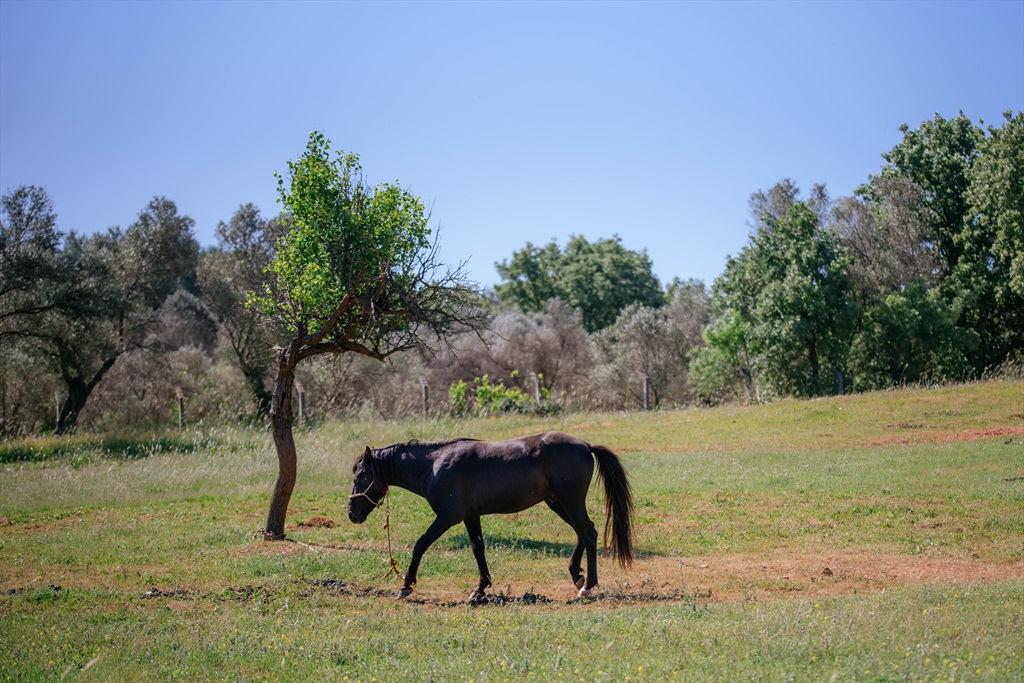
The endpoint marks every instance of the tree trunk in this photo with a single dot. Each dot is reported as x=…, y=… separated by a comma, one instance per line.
x=78, y=394
x=79, y=390
x=840, y=383
x=812, y=351
x=748, y=381
x=281, y=420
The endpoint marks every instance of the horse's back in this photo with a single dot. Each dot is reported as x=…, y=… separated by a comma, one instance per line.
x=522, y=448
x=544, y=450
x=508, y=476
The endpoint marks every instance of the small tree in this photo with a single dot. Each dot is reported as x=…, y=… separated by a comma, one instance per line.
x=653, y=342
x=720, y=370
x=356, y=273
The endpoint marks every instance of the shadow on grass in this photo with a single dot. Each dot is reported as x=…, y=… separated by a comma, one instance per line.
x=515, y=543
x=544, y=548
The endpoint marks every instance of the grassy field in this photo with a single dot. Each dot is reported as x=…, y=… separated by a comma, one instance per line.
x=874, y=537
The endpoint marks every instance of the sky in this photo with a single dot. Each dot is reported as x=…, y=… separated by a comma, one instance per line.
x=515, y=122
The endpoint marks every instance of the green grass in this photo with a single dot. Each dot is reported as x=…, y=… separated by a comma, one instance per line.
x=140, y=558
x=306, y=633
x=82, y=449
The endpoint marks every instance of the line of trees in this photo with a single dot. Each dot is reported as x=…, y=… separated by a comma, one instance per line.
x=918, y=277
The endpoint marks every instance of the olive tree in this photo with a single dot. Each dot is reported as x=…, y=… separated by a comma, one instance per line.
x=81, y=302
x=29, y=259
x=356, y=272
x=887, y=232
x=226, y=273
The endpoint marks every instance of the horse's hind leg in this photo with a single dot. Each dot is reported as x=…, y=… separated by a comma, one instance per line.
x=575, y=561
x=476, y=541
x=576, y=510
x=589, y=534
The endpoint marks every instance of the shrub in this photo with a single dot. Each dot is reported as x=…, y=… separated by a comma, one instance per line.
x=492, y=399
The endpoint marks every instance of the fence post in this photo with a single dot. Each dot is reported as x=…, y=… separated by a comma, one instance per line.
x=426, y=396
x=302, y=402
x=536, y=386
x=647, y=390
x=180, y=396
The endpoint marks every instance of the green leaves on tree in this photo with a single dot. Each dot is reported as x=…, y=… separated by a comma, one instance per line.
x=598, y=279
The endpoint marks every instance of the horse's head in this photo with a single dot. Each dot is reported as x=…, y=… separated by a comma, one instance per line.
x=368, y=488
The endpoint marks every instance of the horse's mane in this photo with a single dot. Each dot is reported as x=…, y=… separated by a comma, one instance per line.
x=381, y=459
x=388, y=451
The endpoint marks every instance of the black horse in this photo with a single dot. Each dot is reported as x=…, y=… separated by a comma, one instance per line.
x=465, y=479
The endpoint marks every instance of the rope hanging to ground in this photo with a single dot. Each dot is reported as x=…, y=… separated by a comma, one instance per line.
x=387, y=522
x=387, y=527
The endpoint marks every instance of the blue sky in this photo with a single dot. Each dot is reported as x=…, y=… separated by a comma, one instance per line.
x=514, y=121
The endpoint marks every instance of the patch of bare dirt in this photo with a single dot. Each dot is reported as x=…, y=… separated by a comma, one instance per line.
x=925, y=436
x=749, y=577
x=318, y=522
x=697, y=581
x=781, y=575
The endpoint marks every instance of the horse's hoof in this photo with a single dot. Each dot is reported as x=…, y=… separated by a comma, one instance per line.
x=404, y=593
x=586, y=593
x=578, y=582
x=477, y=596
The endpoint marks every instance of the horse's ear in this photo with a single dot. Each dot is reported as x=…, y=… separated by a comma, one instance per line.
x=367, y=453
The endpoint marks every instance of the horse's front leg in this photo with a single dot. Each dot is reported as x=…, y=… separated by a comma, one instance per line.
x=476, y=541
x=433, y=532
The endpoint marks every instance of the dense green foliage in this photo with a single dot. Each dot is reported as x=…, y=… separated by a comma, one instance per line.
x=791, y=289
x=995, y=235
x=351, y=252
x=598, y=279
x=910, y=335
x=914, y=280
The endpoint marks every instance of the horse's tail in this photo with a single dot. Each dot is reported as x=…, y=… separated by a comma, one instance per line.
x=618, y=504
